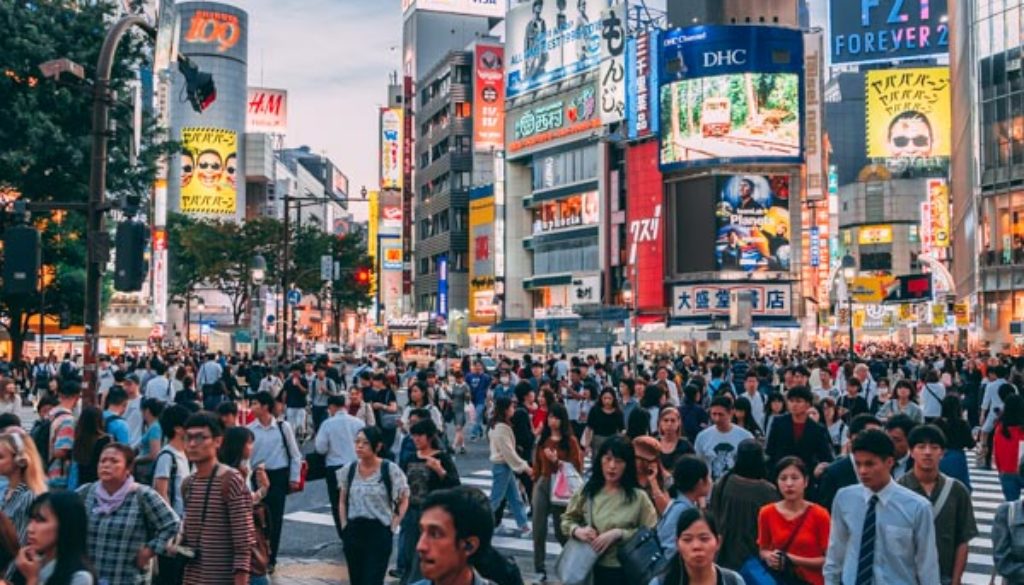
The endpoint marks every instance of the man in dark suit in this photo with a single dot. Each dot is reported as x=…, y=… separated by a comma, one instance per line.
x=841, y=472
x=795, y=434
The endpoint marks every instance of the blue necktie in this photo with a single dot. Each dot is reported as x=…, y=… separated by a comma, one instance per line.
x=866, y=562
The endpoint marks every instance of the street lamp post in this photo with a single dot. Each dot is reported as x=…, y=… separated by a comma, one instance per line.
x=258, y=273
x=200, y=307
x=850, y=273
x=633, y=347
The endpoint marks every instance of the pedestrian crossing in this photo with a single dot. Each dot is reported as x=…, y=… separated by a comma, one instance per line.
x=986, y=497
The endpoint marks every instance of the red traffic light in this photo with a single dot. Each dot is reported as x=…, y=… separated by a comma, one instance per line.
x=363, y=276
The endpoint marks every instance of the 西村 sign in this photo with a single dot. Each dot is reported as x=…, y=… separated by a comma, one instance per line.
x=560, y=117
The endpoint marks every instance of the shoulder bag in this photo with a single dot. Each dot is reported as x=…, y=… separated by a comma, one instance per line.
x=564, y=483
x=575, y=565
x=642, y=557
x=755, y=572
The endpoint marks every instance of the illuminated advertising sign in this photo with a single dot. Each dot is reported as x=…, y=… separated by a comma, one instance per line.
x=391, y=148
x=815, y=246
x=442, y=286
x=339, y=182
x=873, y=289
x=645, y=219
x=814, y=116
x=701, y=300
x=556, y=118
x=568, y=212
x=753, y=223
x=267, y=111
x=908, y=113
x=926, y=228
x=209, y=166
x=938, y=199
x=641, y=85
x=550, y=41
x=391, y=216
x=482, y=255
x=887, y=30
x=495, y=8
x=613, y=64
x=489, y=98
x=874, y=234
x=913, y=288
x=731, y=94
x=391, y=257
x=221, y=31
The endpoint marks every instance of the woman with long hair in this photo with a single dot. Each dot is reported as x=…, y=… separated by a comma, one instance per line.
x=743, y=417
x=609, y=509
x=775, y=407
x=793, y=532
x=834, y=424
x=697, y=544
x=1006, y=438
x=904, y=401
x=736, y=499
x=419, y=397
x=545, y=400
x=21, y=465
x=654, y=398
x=505, y=464
x=90, y=440
x=959, y=439
x=55, y=551
x=671, y=443
x=603, y=422
x=557, y=445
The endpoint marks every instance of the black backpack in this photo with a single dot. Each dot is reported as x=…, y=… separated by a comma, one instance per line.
x=385, y=478
x=41, y=437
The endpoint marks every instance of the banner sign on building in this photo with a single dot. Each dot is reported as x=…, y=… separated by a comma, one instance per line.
x=874, y=234
x=568, y=212
x=391, y=258
x=209, y=166
x=814, y=128
x=391, y=216
x=267, y=111
x=887, y=30
x=586, y=290
x=908, y=113
x=815, y=246
x=645, y=240
x=482, y=275
x=641, y=85
x=613, y=64
x=912, y=288
x=391, y=148
x=559, y=117
x=962, y=313
x=700, y=300
x=494, y=8
x=926, y=228
x=753, y=223
x=550, y=41
x=222, y=31
x=489, y=98
x=339, y=183
x=938, y=200
x=731, y=94
x=442, y=286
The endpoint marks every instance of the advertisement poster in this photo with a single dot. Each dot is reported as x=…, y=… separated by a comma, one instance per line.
x=753, y=223
x=267, y=111
x=557, y=118
x=572, y=211
x=548, y=41
x=221, y=31
x=613, y=64
x=938, y=198
x=391, y=148
x=887, y=30
x=908, y=113
x=392, y=256
x=731, y=94
x=209, y=163
x=391, y=216
x=482, y=309
x=489, y=105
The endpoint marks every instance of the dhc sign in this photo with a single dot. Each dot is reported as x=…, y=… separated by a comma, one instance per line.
x=725, y=58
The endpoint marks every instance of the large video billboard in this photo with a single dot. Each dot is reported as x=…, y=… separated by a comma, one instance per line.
x=908, y=113
x=887, y=30
x=753, y=223
x=551, y=40
x=731, y=94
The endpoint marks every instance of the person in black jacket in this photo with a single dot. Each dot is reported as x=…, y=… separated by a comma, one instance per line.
x=796, y=434
x=841, y=472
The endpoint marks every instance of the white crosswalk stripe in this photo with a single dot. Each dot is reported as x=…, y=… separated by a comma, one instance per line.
x=986, y=497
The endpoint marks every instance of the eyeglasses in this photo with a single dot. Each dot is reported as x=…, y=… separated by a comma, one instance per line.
x=197, y=437
x=186, y=168
x=214, y=166
x=903, y=141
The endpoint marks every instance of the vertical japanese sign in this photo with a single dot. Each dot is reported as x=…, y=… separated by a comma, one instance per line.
x=813, y=116
x=927, y=237
x=938, y=199
x=613, y=64
x=489, y=98
x=442, y=286
x=482, y=232
x=645, y=239
x=391, y=148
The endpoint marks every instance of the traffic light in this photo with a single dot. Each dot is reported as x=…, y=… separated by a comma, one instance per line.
x=199, y=87
x=129, y=260
x=22, y=257
x=363, y=276
x=64, y=317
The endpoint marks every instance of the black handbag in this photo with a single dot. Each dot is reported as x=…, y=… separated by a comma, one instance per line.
x=642, y=558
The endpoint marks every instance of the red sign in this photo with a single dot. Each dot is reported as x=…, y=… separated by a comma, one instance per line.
x=268, y=110
x=489, y=98
x=218, y=28
x=645, y=221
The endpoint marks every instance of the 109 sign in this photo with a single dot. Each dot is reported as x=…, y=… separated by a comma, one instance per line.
x=887, y=30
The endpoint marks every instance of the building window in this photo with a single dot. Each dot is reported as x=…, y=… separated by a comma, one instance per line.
x=462, y=144
x=461, y=219
x=875, y=260
x=424, y=266
x=463, y=110
x=458, y=262
x=874, y=202
x=915, y=234
x=424, y=160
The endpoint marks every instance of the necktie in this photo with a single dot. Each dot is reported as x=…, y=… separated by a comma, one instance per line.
x=866, y=562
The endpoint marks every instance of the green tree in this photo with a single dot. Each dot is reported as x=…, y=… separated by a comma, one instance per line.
x=46, y=133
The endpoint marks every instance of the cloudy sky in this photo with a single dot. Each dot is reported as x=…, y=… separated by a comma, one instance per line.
x=333, y=57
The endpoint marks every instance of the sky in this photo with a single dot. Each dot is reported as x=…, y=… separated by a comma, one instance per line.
x=334, y=58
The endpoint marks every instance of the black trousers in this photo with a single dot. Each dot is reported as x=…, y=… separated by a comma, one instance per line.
x=367, y=545
x=276, y=497
x=332, y=494
x=319, y=416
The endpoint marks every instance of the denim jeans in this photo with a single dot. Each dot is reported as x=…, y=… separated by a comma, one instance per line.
x=478, y=423
x=1011, y=484
x=506, y=487
x=260, y=580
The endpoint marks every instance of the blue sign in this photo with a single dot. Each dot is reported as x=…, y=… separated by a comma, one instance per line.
x=888, y=30
x=815, y=246
x=704, y=73
x=442, y=286
x=294, y=297
x=642, y=85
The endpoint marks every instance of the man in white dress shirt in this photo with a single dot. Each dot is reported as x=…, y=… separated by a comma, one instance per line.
x=336, y=439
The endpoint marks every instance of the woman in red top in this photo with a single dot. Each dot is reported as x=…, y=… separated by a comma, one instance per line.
x=540, y=415
x=793, y=533
x=1006, y=438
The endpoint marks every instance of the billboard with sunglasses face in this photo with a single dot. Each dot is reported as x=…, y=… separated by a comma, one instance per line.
x=908, y=113
x=209, y=165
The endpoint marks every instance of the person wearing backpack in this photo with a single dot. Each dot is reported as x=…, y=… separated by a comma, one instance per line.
x=41, y=374
x=171, y=467
x=374, y=496
x=55, y=436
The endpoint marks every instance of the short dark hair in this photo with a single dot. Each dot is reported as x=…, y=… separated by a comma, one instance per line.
x=425, y=427
x=929, y=434
x=902, y=422
x=70, y=388
x=205, y=420
x=154, y=405
x=9, y=419
x=522, y=389
x=127, y=452
x=800, y=393
x=688, y=472
x=467, y=511
x=791, y=461
x=227, y=408
x=723, y=402
x=861, y=422
x=263, y=398
x=420, y=413
x=173, y=416
x=874, y=442
x=337, y=400
x=803, y=371
x=116, y=396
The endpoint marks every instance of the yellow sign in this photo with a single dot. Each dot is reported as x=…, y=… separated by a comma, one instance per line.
x=962, y=312
x=887, y=320
x=875, y=234
x=938, y=197
x=858, y=319
x=908, y=113
x=906, y=313
x=482, y=248
x=872, y=290
x=371, y=244
x=938, y=315
x=209, y=165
